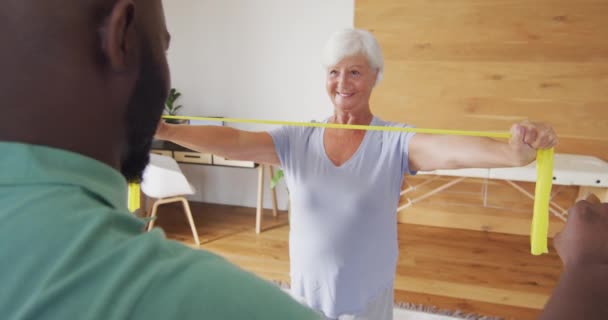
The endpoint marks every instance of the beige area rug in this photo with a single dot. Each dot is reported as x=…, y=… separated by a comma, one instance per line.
x=410, y=311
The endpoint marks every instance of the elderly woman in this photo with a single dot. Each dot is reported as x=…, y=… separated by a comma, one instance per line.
x=344, y=184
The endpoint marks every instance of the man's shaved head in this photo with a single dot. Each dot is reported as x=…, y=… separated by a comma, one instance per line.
x=89, y=76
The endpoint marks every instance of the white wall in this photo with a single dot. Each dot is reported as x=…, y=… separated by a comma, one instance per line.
x=257, y=59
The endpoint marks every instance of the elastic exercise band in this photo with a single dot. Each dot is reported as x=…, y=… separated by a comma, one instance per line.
x=544, y=168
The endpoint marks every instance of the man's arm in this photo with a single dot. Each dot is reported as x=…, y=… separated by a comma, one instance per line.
x=581, y=293
x=582, y=290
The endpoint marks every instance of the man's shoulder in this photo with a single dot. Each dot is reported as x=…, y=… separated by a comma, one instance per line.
x=207, y=285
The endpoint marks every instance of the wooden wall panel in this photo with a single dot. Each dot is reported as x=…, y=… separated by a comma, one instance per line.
x=485, y=64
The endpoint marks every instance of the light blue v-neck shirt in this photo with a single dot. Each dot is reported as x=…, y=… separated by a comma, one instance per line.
x=343, y=239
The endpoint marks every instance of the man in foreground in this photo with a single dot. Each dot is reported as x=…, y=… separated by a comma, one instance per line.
x=83, y=86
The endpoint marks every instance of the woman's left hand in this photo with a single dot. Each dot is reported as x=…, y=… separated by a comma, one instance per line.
x=527, y=137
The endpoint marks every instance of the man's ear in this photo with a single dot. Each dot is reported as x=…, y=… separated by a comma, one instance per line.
x=119, y=40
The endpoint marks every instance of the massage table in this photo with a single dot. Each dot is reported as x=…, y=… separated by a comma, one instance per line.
x=589, y=173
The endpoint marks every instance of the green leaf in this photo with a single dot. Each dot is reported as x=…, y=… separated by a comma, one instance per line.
x=171, y=98
x=277, y=176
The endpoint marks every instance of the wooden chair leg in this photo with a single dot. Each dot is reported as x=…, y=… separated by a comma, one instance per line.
x=273, y=193
x=148, y=202
x=260, y=208
x=187, y=211
x=191, y=221
x=153, y=214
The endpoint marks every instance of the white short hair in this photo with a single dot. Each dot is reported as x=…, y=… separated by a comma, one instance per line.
x=350, y=42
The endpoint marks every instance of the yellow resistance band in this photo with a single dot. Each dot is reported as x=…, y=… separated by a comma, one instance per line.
x=134, y=197
x=491, y=134
x=544, y=167
x=542, y=195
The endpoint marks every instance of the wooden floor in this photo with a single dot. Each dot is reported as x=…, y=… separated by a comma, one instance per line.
x=473, y=271
x=463, y=206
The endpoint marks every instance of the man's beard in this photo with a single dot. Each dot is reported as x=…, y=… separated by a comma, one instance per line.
x=143, y=114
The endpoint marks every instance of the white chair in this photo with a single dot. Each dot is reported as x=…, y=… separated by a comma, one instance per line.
x=164, y=180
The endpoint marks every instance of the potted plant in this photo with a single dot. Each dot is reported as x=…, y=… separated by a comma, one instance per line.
x=171, y=107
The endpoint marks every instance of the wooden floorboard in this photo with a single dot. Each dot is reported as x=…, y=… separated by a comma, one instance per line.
x=462, y=206
x=475, y=272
